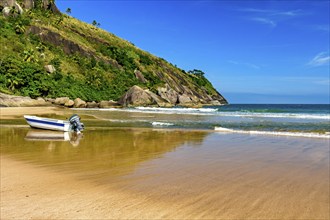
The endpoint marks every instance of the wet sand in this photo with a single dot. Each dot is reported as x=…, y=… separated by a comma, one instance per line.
x=164, y=174
x=14, y=112
x=132, y=173
x=30, y=192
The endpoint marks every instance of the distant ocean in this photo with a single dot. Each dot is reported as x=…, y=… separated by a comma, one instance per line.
x=304, y=120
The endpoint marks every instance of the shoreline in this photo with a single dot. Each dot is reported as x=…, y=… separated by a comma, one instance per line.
x=12, y=114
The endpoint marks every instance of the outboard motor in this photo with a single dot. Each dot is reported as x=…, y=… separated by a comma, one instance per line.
x=76, y=125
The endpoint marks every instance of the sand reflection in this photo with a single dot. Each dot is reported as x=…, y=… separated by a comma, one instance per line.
x=99, y=152
x=173, y=174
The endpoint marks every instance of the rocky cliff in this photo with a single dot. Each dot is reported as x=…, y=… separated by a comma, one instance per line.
x=50, y=54
x=30, y=4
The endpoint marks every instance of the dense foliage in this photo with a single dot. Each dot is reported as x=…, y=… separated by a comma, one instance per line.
x=24, y=56
x=107, y=74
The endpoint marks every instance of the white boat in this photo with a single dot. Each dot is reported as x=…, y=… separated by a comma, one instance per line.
x=48, y=123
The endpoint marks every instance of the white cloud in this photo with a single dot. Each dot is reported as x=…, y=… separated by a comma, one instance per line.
x=256, y=10
x=325, y=28
x=277, y=13
x=266, y=21
x=271, y=17
x=288, y=13
x=320, y=59
x=250, y=65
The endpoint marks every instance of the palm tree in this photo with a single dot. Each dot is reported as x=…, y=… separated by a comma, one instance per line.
x=29, y=56
x=13, y=10
x=68, y=11
x=96, y=24
x=12, y=83
x=19, y=28
x=41, y=48
x=30, y=13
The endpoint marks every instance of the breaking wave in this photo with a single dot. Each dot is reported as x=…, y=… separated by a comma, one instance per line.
x=156, y=110
x=161, y=124
x=275, y=133
x=276, y=115
x=177, y=110
x=213, y=112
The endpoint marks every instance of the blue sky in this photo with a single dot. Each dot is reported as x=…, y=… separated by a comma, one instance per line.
x=251, y=51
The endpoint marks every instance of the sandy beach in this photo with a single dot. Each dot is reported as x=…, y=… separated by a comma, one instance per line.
x=14, y=112
x=30, y=192
x=134, y=173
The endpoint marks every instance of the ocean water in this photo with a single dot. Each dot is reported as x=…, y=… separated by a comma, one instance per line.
x=274, y=119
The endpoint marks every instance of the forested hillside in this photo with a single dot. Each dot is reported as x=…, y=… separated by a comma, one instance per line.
x=45, y=53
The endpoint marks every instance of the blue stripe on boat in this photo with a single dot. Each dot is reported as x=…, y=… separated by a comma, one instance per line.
x=46, y=122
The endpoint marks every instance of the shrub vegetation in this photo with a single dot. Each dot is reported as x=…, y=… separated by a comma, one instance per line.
x=107, y=74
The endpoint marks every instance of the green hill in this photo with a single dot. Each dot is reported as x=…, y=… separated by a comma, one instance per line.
x=45, y=53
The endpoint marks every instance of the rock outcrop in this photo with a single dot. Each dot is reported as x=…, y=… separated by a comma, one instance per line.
x=140, y=76
x=184, y=99
x=49, y=68
x=169, y=94
x=167, y=97
x=30, y=4
x=92, y=104
x=136, y=96
x=159, y=100
x=108, y=104
x=69, y=103
x=9, y=4
x=69, y=47
x=61, y=100
x=21, y=101
x=78, y=103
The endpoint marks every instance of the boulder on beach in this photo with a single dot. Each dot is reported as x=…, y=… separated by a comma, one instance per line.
x=92, y=104
x=136, y=96
x=108, y=104
x=21, y=101
x=61, y=100
x=78, y=103
x=69, y=103
x=169, y=94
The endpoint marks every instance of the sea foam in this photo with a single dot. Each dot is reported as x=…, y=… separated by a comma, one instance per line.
x=213, y=112
x=176, y=110
x=275, y=115
x=156, y=123
x=275, y=133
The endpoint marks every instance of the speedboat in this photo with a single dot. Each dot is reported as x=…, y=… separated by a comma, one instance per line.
x=73, y=124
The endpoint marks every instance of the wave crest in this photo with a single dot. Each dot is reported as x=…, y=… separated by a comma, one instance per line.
x=156, y=123
x=275, y=133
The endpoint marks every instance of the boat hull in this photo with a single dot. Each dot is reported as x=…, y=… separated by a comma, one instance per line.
x=47, y=123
